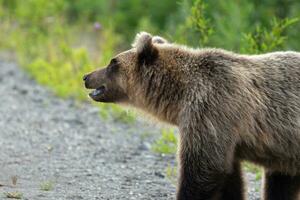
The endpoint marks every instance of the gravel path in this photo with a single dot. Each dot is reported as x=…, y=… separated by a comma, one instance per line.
x=44, y=139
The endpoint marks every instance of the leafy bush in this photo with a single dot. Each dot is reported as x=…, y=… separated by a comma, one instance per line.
x=47, y=51
x=264, y=40
x=196, y=28
x=198, y=21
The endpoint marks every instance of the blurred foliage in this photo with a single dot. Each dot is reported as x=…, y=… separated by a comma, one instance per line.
x=171, y=174
x=47, y=186
x=167, y=143
x=198, y=21
x=58, y=41
x=196, y=28
x=263, y=40
x=257, y=170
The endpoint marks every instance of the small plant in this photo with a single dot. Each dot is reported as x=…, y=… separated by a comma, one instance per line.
x=263, y=40
x=145, y=135
x=13, y=195
x=167, y=143
x=196, y=28
x=116, y=112
x=199, y=22
x=46, y=186
x=253, y=169
x=171, y=174
x=122, y=115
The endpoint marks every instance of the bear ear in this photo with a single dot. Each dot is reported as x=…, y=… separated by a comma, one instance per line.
x=159, y=40
x=147, y=53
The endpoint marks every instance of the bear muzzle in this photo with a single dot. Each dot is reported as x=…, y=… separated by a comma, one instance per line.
x=97, y=92
x=91, y=81
x=105, y=88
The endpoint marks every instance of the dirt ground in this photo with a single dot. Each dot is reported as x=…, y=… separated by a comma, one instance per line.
x=50, y=143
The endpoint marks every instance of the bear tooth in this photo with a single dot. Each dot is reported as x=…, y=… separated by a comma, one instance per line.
x=96, y=92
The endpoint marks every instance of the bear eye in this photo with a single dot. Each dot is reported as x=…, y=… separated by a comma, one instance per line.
x=113, y=61
x=112, y=67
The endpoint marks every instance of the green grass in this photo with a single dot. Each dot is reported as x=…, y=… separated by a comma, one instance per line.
x=47, y=186
x=56, y=55
x=266, y=40
x=167, y=143
x=13, y=195
x=171, y=174
x=258, y=171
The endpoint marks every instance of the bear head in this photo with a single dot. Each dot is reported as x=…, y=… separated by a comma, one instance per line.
x=141, y=76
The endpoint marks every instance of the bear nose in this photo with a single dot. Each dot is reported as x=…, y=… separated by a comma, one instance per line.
x=85, y=77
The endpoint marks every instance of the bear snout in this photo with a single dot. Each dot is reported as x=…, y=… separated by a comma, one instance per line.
x=94, y=79
x=85, y=77
x=87, y=81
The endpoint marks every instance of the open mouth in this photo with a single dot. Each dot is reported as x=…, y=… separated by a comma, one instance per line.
x=97, y=92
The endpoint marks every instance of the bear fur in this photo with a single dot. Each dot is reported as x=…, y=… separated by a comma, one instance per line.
x=228, y=108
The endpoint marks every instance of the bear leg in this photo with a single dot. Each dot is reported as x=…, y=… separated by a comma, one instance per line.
x=202, y=176
x=279, y=186
x=234, y=184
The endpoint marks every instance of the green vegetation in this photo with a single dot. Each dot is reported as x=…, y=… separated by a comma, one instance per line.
x=263, y=40
x=56, y=52
x=196, y=25
x=258, y=171
x=13, y=195
x=171, y=174
x=167, y=143
x=46, y=186
x=115, y=112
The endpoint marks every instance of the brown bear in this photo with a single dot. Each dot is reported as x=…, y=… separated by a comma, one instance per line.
x=228, y=108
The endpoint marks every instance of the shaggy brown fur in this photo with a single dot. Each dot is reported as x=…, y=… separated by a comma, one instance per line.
x=228, y=108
